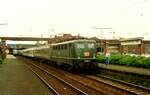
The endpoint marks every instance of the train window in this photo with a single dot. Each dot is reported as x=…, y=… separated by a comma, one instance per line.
x=70, y=45
x=53, y=47
x=57, y=47
x=90, y=45
x=65, y=46
x=80, y=45
x=61, y=46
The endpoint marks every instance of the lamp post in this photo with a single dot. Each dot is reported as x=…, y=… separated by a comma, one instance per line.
x=101, y=33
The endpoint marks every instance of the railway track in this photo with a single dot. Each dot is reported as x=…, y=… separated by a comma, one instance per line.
x=141, y=80
x=115, y=87
x=96, y=84
x=137, y=89
x=65, y=76
x=123, y=87
x=57, y=85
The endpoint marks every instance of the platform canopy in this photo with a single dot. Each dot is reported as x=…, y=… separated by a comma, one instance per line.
x=131, y=39
x=25, y=38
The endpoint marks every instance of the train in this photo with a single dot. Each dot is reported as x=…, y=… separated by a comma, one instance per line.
x=73, y=55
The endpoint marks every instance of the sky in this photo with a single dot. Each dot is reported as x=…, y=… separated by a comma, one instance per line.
x=42, y=18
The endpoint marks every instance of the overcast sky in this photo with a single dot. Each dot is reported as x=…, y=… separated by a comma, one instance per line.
x=38, y=18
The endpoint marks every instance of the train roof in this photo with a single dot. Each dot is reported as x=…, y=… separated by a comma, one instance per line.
x=42, y=47
x=74, y=41
x=66, y=42
x=28, y=49
x=37, y=47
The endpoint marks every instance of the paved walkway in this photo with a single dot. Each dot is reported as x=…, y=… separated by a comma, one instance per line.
x=17, y=79
x=135, y=70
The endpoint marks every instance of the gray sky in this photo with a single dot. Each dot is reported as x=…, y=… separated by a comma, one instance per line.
x=127, y=18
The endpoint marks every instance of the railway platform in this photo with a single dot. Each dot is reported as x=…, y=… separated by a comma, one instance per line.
x=134, y=70
x=17, y=79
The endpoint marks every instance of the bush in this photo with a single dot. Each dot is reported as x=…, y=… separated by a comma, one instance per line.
x=127, y=60
x=100, y=58
x=114, y=59
x=118, y=59
x=146, y=62
x=138, y=61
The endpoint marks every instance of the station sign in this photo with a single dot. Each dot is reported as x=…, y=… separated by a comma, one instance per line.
x=131, y=42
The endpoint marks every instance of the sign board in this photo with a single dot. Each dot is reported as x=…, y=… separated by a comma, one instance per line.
x=131, y=42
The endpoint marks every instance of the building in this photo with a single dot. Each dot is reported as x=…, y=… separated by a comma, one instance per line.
x=124, y=46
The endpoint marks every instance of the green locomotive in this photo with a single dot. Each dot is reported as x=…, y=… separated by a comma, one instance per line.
x=73, y=54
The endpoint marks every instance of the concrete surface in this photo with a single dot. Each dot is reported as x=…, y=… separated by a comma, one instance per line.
x=17, y=79
x=135, y=70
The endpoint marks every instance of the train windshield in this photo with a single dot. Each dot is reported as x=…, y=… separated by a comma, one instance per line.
x=80, y=45
x=85, y=49
x=90, y=45
x=85, y=45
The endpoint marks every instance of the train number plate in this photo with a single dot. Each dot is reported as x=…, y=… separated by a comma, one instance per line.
x=86, y=54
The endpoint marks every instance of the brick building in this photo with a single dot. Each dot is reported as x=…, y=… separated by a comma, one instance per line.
x=127, y=45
